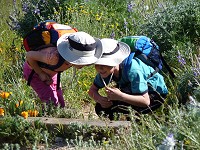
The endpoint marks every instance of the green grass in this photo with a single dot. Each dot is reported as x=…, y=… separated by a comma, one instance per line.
x=160, y=19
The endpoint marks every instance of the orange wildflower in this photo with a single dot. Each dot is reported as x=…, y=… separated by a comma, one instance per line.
x=29, y=112
x=1, y=112
x=25, y=114
x=17, y=105
x=5, y=95
x=33, y=113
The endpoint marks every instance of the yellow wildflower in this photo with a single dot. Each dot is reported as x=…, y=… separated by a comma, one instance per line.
x=25, y=114
x=20, y=102
x=70, y=10
x=117, y=24
x=98, y=18
x=105, y=142
x=55, y=12
x=112, y=26
x=187, y=142
x=1, y=112
x=85, y=84
x=5, y=95
x=84, y=12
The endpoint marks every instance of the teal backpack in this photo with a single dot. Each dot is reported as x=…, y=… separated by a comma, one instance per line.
x=146, y=50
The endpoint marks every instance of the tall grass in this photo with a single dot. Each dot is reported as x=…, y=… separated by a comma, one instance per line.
x=174, y=25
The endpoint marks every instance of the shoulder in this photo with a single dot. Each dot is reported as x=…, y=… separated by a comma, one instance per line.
x=49, y=49
x=135, y=65
x=44, y=47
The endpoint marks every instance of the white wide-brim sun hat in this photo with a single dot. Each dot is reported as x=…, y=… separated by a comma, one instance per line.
x=114, y=52
x=79, y=48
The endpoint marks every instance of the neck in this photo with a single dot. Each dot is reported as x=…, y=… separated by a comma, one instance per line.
x=116, y=71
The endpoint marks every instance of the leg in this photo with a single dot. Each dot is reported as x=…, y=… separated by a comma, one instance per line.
x=156, y=101
x=105, y=112
x=45, y=92
x=58, y=92
x=61, y=98
x=114, y=111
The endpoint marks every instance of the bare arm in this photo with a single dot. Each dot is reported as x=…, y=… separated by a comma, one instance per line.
x=37, y=55
x=136, y=100
x=32, y=58
x=93, y=93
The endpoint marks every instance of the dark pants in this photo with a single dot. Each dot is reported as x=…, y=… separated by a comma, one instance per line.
x=118, y=107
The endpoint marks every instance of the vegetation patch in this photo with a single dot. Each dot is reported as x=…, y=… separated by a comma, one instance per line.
x=173, y=24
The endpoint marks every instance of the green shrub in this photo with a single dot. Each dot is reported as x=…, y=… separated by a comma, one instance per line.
x=18, y=130
x=174, y=23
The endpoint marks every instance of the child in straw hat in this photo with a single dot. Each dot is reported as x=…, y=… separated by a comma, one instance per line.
x=77, y=49
x=136, y=92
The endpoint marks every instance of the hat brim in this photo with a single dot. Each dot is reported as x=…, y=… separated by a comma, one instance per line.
x=65, y=51
x=116, y=58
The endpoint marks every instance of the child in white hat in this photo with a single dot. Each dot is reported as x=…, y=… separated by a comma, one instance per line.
x=43, y=66
x=136, y=91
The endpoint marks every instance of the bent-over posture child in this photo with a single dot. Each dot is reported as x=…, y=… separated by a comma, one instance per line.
x=136, y=90
x=77, y=49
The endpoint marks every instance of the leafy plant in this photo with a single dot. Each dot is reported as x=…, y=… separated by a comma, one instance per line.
x=174, y=25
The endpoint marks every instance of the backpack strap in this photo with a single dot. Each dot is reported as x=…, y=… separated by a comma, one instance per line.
x=163, y=61
x=154, y=72
x=127, y=63
x=143, y=58
x=30, y=77
x=61, y=60
x=167, y=66
x=58, y=80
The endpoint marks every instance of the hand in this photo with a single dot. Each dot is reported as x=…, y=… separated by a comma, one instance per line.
x=45, y=78
x=113, y=93
x=105, y=103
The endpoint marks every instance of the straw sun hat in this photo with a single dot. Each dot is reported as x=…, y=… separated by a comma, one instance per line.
x=114, y=52
x=79, y=48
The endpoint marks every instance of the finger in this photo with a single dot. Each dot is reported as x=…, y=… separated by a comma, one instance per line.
x=107, y=88
x=108, y=92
